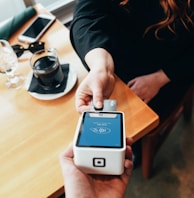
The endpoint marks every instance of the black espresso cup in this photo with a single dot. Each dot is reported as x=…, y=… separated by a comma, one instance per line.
x=47, y=69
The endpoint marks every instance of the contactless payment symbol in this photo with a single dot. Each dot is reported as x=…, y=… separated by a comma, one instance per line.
x=101, y=130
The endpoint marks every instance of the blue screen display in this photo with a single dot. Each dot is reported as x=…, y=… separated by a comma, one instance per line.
x=101, y=130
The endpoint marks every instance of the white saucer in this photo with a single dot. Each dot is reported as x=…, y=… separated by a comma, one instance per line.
x=71, y=80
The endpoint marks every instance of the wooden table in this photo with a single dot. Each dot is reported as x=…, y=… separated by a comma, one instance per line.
x=33, y=132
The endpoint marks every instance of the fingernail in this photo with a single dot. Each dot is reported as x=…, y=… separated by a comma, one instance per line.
x=98, y=106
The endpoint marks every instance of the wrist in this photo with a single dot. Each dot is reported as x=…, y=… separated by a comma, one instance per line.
x=162, y=77
x=99, y=60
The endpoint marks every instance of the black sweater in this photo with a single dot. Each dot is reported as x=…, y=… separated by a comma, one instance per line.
x=119, y=30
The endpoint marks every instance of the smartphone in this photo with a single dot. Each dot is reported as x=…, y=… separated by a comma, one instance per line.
x=99, y=145
x=37, y=28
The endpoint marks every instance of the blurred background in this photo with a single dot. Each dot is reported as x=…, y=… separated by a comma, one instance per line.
x=62, y=9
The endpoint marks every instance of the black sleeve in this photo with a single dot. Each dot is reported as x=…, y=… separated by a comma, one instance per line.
x=89, y=26
x=182, y=66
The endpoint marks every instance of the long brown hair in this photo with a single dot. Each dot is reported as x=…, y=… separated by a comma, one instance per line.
x=172, y=10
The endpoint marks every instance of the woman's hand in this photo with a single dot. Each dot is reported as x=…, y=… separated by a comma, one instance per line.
x=147, y=86
x=99, y=83
x=80, y=184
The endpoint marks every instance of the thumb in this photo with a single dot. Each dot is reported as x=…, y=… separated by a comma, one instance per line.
x=130, y=83
x=98, y=100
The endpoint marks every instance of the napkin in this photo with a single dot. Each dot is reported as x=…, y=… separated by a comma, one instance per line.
x=36, y=87
x=14, y=23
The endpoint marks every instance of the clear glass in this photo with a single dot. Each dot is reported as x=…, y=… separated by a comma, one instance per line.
x=8, y=65
x=47, y=69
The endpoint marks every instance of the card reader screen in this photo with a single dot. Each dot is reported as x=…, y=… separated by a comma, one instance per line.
x=101, y=129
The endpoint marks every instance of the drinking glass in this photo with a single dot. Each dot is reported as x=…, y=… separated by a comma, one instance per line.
x=8, y=64
x=47, y=68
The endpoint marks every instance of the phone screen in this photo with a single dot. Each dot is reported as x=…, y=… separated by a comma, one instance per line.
x=37, y=26
x=101, y=129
